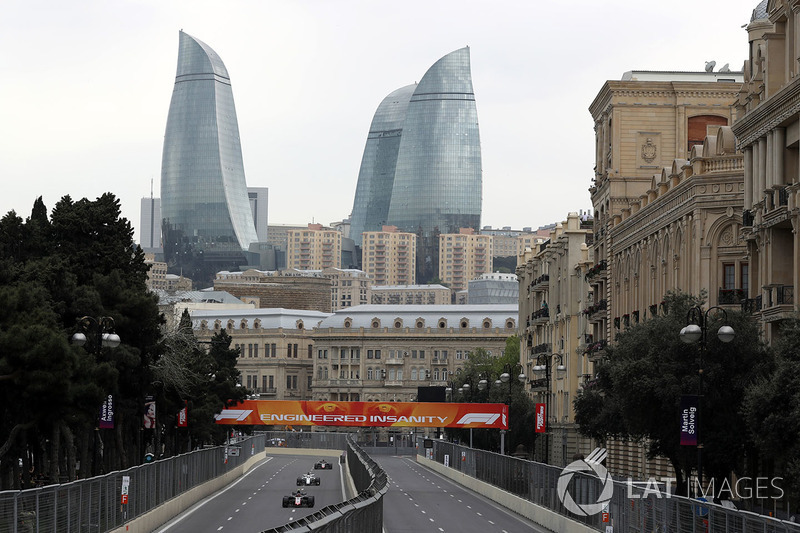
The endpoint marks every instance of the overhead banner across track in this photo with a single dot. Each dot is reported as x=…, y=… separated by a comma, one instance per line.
x=366, y=414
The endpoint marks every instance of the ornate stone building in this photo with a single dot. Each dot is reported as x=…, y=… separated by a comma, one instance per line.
x=385, y=352
x=276, y=360
x=768, y=133
x=554, y=330
x=667, y=189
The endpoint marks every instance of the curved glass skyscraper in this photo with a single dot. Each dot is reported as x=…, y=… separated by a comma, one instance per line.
x=437, y=177
x=204, y=201
x=376, y=177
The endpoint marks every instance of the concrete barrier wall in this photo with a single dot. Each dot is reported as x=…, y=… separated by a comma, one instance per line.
x=153, y=519
x=536, y=513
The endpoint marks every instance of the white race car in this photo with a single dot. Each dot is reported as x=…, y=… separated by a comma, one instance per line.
x=309, y=478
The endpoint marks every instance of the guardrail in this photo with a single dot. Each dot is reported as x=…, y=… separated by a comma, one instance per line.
x=95, y=504
x=363, y=513
x=631, y=507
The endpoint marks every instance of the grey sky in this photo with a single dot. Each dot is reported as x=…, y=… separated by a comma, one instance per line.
x=86, y=87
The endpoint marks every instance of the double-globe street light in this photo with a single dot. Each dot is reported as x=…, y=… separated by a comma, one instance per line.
x=696, y=329
x=95, y=334
x=505, y=377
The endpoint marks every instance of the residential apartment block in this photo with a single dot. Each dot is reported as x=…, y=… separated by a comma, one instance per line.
x=313, y=248
x=554, y=331
x=389, y=256
x=349, y=287
x=464, y=256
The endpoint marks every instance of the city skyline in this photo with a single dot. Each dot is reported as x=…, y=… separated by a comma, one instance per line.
x=308, y=77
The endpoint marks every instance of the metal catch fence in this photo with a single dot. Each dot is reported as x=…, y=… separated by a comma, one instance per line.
x=583, y=496
x=95, y=505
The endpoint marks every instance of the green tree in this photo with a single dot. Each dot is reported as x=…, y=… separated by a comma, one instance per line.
x=772, y=411
x=80, y=262
x=637, y=394
x=489, y=367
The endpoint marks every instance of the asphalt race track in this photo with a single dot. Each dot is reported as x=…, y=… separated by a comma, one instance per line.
x=253, y=503
x=420, y=500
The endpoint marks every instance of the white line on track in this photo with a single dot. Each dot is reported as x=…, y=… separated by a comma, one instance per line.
x=199, y=505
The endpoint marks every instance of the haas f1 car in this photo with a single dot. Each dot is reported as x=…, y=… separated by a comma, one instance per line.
x=322, y=464
x=308, y=479
x=298, y=499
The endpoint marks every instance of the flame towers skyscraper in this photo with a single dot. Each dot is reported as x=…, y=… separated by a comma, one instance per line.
x=421, y=169
x=207, y=221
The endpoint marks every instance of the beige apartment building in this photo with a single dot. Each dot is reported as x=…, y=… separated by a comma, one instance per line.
x=554, y=331
x=411, y=295
x=276, y=347
x=385, y=352
x=389, y=256
x=313, y=248
x=666, y=194
x=768, y=133
x=349, y=287
x=464, y=256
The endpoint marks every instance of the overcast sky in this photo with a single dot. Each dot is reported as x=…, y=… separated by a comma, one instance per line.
x=85, y=87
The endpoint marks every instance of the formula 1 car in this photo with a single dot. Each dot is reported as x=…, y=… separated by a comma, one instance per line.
x=309, y=478
x=322, y=464
x=298, y=498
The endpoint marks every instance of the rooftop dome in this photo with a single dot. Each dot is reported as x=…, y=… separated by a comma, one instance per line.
x=760, y=12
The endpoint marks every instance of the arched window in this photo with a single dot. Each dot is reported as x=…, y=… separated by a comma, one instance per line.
x=399, y=374
x=413, y=374
x=436, y=374
x=391, y=374
x=369, y=372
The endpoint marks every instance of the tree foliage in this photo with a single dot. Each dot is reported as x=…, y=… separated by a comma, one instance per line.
x=82, y=261
x=482, y=365
x=772, y=409
x=638, y=390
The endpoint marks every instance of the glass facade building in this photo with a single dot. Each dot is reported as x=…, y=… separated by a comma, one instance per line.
x=204, y=201
x=435, y=175
x=376, y=177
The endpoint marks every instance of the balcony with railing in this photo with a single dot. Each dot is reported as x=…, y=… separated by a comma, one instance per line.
x=541, y=283
x=540, y=316
x=778, y=302
x=596, y=271
x=779, y=213
x=596, y=310
x=596, y=350
x=545, y=347
x=731, y=296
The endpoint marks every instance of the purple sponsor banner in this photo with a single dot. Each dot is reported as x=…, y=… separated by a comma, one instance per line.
x=689, y=425
x=107, y=413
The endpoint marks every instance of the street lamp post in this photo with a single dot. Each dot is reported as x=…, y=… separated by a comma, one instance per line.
x=697, y=330
x=465, y=390
x=93, y=335
x=505, y=377
x=544, y=363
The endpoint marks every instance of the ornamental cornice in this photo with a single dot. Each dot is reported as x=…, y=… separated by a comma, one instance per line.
x=767, y=116
x=728, y=96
